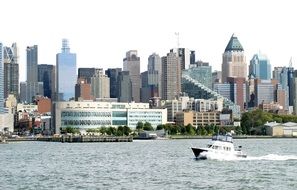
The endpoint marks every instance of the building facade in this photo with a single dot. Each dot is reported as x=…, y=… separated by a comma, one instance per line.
x=131, y=63
x=125, y=87
x=171, y=76
x=154, y=69
x=201, y=71
x=1, y=80
x=100, y=85
x=46, y=74
x=86, y=115
x=260, y=67
x=234, y=61
x=66, y=72
x=11, y=71
x=113, y=74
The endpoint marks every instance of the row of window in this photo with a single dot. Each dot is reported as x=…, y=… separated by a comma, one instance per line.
x=86, y=122
x=85, y=114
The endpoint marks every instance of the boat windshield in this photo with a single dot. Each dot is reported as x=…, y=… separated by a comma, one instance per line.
x=225, y=138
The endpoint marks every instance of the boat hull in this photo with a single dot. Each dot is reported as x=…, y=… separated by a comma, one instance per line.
x=197, y=151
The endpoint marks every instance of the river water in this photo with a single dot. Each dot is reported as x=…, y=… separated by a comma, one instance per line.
x=156, y=164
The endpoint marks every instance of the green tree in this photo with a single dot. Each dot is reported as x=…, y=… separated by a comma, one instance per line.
x=190, y=129
x=139, y=126
x=126, y=130
x=160, y=127
x=147, y=126
x=103, y=130
x=238, y=130
x=71, y=130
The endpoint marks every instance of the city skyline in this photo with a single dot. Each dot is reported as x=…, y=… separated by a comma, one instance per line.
x=105, y=30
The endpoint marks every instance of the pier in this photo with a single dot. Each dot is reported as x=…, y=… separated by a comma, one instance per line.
x=76, y=139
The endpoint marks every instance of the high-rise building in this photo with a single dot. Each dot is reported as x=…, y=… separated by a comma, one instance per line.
x=285, y=77
x=113, y=74
x=1, y=80
x=131, y=63
x=32, y=62
x=11, y=71
x=86, y=73
x=154, y=69
x=192, y=57
x=125, y=87
x=149, y=88
x=31, y=87
x=238, y=91
x=234, y=63
x=46, y=74
x=100, y=85
x=83, y=90
x=184, y=55
x=201, y=71
x=171, y=80
x=260, y=67
x=66, y=72
x=264, y=91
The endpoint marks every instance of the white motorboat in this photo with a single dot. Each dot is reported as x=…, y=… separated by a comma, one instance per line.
x=221, y=145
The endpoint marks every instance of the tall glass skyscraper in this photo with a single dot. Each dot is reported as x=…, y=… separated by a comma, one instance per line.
x=32, y=62
x=260, y=67
x=66, y=72
x=11, y=71
x=46, y=74
x=1, y=80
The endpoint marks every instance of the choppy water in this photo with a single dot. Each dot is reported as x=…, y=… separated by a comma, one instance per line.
x=164, y=164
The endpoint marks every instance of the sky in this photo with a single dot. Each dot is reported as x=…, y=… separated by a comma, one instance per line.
x=101, y=32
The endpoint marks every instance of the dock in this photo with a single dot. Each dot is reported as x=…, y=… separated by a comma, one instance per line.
x=76, y=139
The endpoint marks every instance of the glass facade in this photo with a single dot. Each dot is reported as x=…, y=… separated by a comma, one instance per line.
x=85, y=119
x=11, y=71
x=260, y=67
x=1, y=80
x=66, y=73
x=85, y=115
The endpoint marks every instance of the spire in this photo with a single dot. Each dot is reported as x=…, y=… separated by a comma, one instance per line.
x=65, y=46
x=234, y=44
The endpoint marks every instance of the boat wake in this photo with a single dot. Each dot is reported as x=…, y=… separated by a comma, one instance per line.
x=272, y=157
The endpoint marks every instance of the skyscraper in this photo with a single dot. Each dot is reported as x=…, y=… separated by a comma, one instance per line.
x=100, y=85
x=113, y=74
x=1, y=80
x=154, y=69
x=31, y=87
x=66, y=72
x=171, y=80
x=201, y=71
x=184, y=55
x=86, y=73
x=234, y=63
x=32, y=62
x=260, y=67
x=131, y=63
x=46, y=74
x=125, y=87
x=11, y=71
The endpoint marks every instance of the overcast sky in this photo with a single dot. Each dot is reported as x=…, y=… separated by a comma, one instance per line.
x=101, y=32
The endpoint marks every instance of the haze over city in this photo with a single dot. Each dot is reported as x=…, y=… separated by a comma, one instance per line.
x=101, y=32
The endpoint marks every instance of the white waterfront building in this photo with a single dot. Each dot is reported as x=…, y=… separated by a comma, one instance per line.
x=86, y=115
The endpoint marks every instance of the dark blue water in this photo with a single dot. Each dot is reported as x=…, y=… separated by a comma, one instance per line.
x=159, y=164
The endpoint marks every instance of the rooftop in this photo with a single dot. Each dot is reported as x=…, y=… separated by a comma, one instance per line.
x=234, y=44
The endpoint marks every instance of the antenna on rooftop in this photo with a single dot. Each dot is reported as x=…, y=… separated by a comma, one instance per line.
x=290, y=63
x=177, y=39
